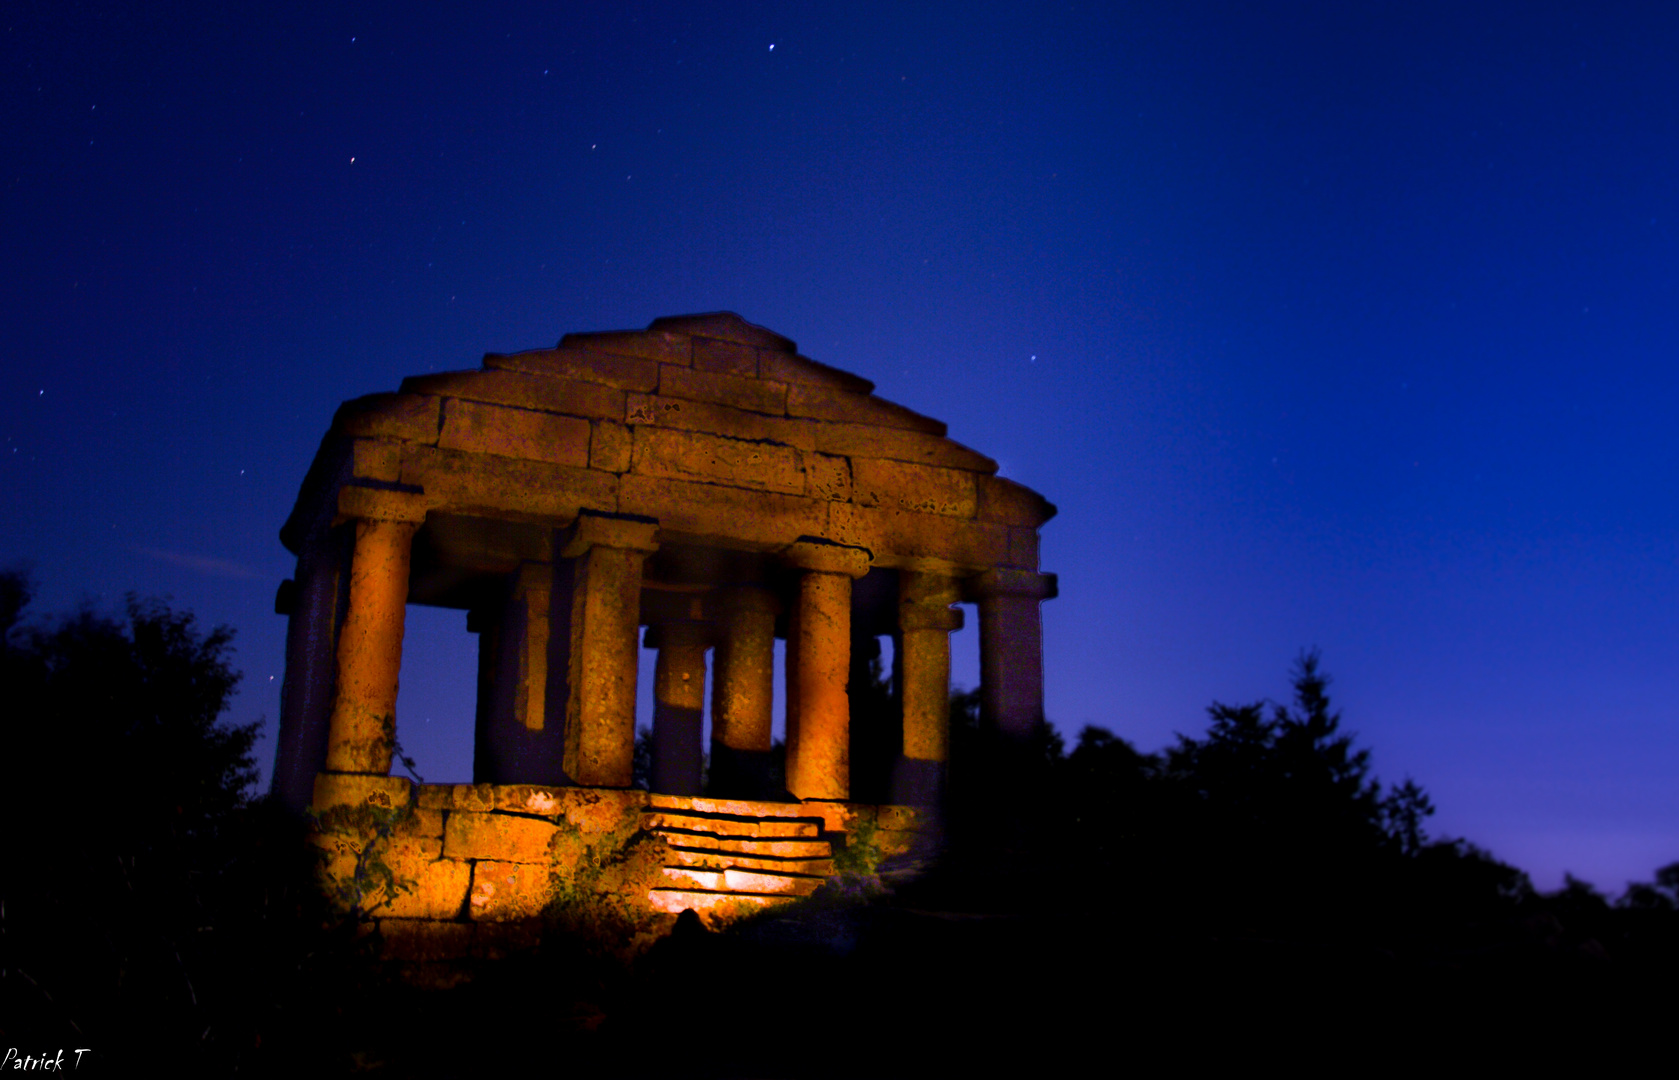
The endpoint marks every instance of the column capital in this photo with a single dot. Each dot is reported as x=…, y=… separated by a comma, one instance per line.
x=623, y=531
x=828, y=557
x=381, y=504
x=1005, y=582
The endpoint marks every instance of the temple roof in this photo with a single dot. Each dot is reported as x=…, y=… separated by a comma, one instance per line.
x=714, y=427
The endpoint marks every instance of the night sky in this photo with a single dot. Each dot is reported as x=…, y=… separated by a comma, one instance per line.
x=1336, y=325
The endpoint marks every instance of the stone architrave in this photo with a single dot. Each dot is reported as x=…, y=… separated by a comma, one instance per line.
x=606, y=556
x=743, y=689
x=1011, y=660
x=819, y=728
x=925, y=622
x=678, y=706
x=363, y=725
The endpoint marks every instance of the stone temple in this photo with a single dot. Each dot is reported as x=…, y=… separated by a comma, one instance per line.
x=695, y=486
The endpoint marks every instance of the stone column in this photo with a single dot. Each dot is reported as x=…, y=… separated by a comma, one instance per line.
x=363, y=725
x=311, y=601
x=678, y=706
x=742, y=692
x=1011, y=647
x=515, y=742
x=606, y=556
x=819, y=728
x=925, y=622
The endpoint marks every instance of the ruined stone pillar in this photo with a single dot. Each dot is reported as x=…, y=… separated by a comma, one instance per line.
x=312, y=601
x=819, y=728
x=606, y=556
x=1011, y=647
x=743, y=691
x=363, y=725
x=515, y=742
x=678, y=706
x=925, y=622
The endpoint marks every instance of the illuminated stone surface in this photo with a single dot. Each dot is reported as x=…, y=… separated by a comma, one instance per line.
x=699, y=478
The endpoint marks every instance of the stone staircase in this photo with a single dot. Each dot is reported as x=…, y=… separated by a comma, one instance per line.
x=734, y=853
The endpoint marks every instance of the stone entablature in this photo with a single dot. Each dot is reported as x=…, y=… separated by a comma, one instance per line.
x=699, y=479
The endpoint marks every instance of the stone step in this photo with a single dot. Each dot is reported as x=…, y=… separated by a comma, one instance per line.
x=722, y=860
x=786, y=849
x=742, y=881
x=676, y=901
x=731, y=825
x=748, y=808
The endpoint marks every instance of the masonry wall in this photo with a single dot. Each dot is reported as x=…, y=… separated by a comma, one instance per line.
x=449, y=874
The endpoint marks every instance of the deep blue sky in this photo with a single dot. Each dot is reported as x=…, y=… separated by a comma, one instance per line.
x=1335, y=325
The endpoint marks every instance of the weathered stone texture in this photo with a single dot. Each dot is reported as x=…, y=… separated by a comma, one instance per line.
x=509, y=890
x=821, y=403
x=765, y=518
x=516, y=433
x=899, y=485
x=725, y=357
x=708, y=416
x=665, y=347
x=691, y=455
x=466, y=483
x=504, y=837
x=753, y=395
x=549, y=393
x=609, y=446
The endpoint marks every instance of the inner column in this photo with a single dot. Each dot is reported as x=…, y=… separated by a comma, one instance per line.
x=819, y=751
x=678, y=704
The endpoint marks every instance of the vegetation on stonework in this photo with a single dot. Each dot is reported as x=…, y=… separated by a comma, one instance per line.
x=366, y=831
x=593, y=883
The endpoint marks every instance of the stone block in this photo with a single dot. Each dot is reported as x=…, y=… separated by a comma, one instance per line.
x=1012, y=504
x=840, y=817
x=502, y=837
x=717, y=419
x=467, y=483
x=549, y=393
x=900, y=485
x=609, y=446
x=515, y=433
x=537, y=799
x=509, y=890
x=890, y=842
x=822, y=403
x=827, y=477
x=425, y=890
x=421, y=821
x=790, y=368
x=729, y=826
x=762, y=883
x=724, y=326
x=904, y=538
x=592, y=811
x=722, y=860
x=725, y=357
x=774, y=847
x=693, y=455
x=667, y=348
x=619, y=372
x=766, y=518
x=357, y=789
x=421, y=940
x=753, y=395
x=376, y=459
x=410, y=417
x=705, y=804
x=866, y=440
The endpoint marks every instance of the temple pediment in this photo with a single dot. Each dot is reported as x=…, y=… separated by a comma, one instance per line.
x=716, y=427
